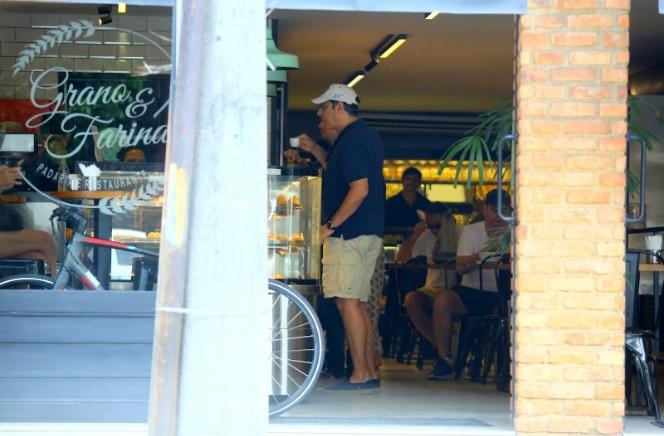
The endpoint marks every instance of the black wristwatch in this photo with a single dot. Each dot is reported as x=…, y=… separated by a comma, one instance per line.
x=330, y=226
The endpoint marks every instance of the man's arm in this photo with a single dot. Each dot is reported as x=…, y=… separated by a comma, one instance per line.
x=406, y=248
x=308, y=144
x=359, y=189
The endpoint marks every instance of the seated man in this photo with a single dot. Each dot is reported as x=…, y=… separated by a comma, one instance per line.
x=467, y=298
x=15, y=241
x=426, y=241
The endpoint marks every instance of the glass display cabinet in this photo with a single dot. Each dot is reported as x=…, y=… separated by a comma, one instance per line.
x=294, y=248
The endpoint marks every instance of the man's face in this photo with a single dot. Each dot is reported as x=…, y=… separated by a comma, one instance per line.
x=327, y=133
x=327, y=112
x=433, y=222
x=491, y=217
x=411, y=182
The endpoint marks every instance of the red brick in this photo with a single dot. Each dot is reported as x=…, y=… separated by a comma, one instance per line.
x=616, y=39
x=576, y=425
x=618, y=75
x=623, y=57
x=546, y=126
x=577, y=4
x=586, y=126
x=610, y=426
x=573, y=144
x=530, y=40
x=573, y=109
x=531, y=109
x=609, y=391
x=588, y=162
x=573, y=75
x=588, y=408
x=588, y=20
x=548, y=21
x=533, y=76
x=591, y=92
x=617, y=4
x=623, y=21
x=613, y=180
x=613, y=110
x=530, y=424
x=549, y=92
x=613, y=144
x=590, y=58
x=574, y=39
x=548, y=58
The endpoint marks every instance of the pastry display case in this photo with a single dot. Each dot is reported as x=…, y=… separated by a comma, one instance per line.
x=294, y=248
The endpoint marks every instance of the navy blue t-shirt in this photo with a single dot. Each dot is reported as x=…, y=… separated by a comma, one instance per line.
x=357, y=154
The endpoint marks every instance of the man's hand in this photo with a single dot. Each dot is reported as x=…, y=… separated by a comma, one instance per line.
x=325, y=232
x=10, y=176
x=306, y=143
x=292, y=156
x=419, y=228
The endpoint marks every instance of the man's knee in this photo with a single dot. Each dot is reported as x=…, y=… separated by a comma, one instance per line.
x=447, y=302
x=344, y=304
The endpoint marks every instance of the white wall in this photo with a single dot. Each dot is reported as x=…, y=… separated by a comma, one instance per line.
x=106, y=51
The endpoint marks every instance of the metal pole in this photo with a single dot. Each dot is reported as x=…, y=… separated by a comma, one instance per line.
x=210, y=370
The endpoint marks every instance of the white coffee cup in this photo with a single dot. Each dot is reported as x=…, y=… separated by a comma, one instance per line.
x=295, y=142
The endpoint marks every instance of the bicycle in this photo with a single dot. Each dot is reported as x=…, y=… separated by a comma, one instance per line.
x=298, y=344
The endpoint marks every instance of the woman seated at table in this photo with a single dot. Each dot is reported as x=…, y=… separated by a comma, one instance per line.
x=17, y=242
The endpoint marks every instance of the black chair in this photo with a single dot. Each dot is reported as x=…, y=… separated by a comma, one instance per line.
x=639, y=342
x=486, y=338
x=412, y=276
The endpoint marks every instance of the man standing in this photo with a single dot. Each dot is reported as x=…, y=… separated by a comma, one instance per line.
x=353, y=216
x=401, y=210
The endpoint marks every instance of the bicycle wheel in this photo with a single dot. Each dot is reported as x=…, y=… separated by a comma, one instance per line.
x=298, y=348
x=26, y=281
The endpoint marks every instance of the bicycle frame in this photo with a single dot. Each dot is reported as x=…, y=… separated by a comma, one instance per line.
x=73, y=264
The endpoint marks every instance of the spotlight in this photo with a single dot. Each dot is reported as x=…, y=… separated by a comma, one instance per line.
x=104, y=15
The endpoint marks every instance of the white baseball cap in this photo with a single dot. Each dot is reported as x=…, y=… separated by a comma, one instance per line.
x=338, y=92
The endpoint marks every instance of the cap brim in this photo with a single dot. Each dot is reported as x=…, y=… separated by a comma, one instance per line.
x=319, y=100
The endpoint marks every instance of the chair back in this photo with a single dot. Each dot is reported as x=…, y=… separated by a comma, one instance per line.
x=632, y=258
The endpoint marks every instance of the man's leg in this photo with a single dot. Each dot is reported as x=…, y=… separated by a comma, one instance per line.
x=370, y=349
x=419, y=307
x=446, y=306
x=336, y=337
x=355, y=324
x=35, y=242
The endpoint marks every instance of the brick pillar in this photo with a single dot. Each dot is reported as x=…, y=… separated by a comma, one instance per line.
x=569, y=358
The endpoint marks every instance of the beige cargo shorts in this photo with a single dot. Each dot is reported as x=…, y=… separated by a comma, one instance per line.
x=348, y=265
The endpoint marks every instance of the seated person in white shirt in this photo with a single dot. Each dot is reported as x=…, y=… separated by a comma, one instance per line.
x=467, y=298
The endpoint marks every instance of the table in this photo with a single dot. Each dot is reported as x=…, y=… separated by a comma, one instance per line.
x=103, y=228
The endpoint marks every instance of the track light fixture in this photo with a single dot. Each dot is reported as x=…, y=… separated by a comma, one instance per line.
x=104, y=15
x=355, y=78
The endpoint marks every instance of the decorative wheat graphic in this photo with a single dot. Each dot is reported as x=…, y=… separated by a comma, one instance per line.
x=63, y=33
x=130, y=201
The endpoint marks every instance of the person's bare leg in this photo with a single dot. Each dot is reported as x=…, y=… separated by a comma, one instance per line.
x=446, y=306
x=370, y=349
x=17, y=244
x=355, y=326
x=419, y=307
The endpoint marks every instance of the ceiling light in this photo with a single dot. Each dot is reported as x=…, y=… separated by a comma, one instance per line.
x=122, y=8
x=104, y=15
x=359, y=75
x=431, y=15
x=395, y=44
